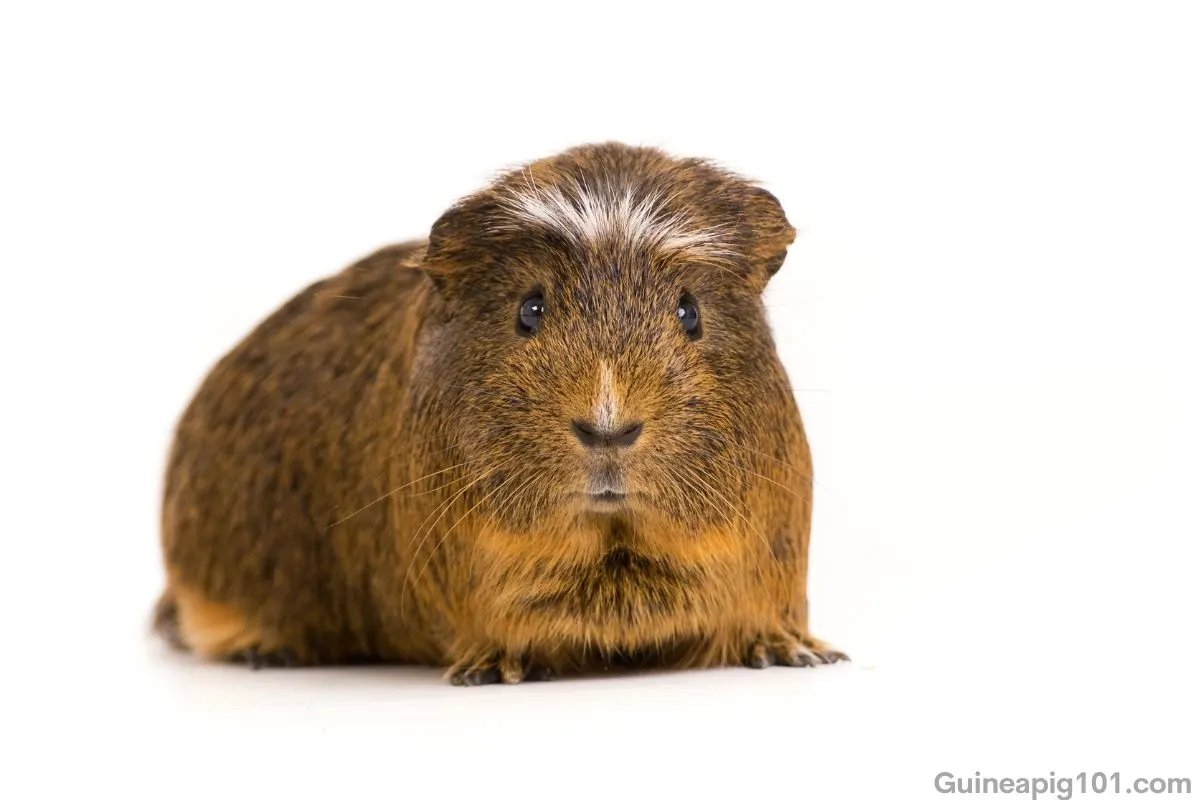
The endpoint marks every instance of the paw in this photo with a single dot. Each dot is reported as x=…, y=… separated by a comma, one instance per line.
x=257, y=659
x=495, y=668
x=786, y=650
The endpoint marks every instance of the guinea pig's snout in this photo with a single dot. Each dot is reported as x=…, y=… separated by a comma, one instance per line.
x=591, y=434
x=608, y=423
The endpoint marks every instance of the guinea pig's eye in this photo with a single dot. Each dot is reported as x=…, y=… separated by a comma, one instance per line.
x=689, y=316
x=530, y=318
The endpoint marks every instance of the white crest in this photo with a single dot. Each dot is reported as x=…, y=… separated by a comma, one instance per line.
x=591, y=215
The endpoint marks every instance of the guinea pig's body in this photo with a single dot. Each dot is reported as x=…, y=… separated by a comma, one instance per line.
x=552, y=437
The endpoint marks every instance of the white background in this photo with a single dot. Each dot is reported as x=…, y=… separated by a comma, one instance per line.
x=990, y=312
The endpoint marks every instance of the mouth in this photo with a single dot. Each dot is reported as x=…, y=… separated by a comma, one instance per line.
x=605, y=490
x=606, y=500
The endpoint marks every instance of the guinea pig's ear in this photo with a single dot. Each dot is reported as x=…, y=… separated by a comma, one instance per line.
x=458, y=239
x=771, y=233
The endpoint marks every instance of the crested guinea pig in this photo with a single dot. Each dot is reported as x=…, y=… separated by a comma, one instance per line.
x=552, y=437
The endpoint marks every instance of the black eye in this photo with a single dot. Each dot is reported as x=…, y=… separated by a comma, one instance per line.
x=689, y=316
x=530, y=317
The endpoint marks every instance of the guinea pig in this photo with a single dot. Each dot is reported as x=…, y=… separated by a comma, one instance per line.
x=552, y=437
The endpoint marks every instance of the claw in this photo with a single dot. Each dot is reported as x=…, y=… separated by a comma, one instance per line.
x=760, y=657
x=478, y=677
x=791, y=651
x=500, y=669
x=540, y=673
x=257, y=659
x=801, y=656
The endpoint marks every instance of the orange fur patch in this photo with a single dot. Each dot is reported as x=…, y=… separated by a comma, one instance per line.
x=213, y=629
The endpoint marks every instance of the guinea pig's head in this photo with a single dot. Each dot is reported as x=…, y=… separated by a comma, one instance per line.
x=602, y=345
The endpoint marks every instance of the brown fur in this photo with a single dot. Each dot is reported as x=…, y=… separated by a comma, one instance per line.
x=384, y=468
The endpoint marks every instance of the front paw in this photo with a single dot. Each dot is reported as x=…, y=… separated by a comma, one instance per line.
x=787, y=650
x=258, y=658
x=495, y=667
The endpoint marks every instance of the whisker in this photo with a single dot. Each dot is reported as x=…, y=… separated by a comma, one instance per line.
x=690, y=473
x=405, y=448
x=761, y=577
x=748, y=471
x=500, y=508
x=398, y=488
x=442, y=486
x=761, y=533
x=505, y=505
x=507, y=502
x=824, y=488
x=768, y=455
x=444, y=506
x=466, y=514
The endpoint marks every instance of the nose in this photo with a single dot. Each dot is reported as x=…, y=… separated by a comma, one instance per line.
x=593, y=436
